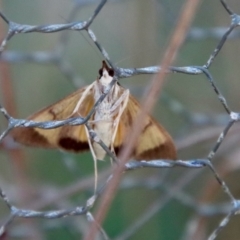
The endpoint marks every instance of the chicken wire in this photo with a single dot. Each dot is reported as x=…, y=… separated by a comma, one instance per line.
x=173, y=190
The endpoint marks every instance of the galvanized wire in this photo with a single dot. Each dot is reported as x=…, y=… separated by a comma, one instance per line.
x=230, y=208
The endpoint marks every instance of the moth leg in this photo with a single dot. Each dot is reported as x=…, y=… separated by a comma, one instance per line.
x=123, y=98
x=85, y=93
x=94, y=159
x=121, y=103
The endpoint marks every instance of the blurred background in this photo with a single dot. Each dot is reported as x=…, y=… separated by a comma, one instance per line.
x=135, y=33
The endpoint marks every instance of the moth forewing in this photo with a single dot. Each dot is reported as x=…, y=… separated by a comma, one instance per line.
x=65, y=137
x=154, y=142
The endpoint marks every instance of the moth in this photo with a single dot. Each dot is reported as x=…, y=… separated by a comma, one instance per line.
x=112, y=122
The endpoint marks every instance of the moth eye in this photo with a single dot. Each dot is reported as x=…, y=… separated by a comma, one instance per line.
x=100, y=72
x=111, y=72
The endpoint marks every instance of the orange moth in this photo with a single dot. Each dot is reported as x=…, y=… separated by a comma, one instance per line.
x=111, y=121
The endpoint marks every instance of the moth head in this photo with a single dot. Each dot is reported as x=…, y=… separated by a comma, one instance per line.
x=105, y=74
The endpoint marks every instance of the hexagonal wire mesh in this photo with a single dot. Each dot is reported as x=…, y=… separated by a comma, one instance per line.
x=197, y=131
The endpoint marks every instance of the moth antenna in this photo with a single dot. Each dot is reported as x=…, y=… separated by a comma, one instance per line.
x=94, y=160
x=126, y=58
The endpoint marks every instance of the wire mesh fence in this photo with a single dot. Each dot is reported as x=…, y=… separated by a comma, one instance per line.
x=194, y=197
